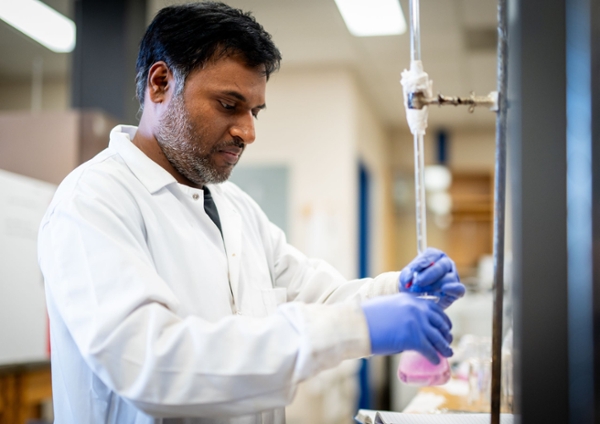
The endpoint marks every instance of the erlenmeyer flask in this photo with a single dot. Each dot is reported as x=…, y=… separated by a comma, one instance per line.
x=416, y=370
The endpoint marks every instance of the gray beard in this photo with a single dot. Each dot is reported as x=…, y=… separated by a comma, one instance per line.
x=183, y=146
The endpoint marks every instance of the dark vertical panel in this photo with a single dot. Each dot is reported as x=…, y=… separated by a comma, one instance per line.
x=365, y=400
x=537, y=128
x=544, y=245
x=442, y=147
x=594, y=13
x=579, y=198
x=108, y=32
x=135, y=13
x=363, y=221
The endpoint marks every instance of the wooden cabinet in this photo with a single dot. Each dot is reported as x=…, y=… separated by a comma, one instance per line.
x=470, y=235
x=23, y=389
x=466, y=234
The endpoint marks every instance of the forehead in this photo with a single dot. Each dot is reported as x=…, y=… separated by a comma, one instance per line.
x=228, y=74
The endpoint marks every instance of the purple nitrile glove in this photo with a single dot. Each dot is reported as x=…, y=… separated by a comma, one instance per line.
x=435, y=273
x=404, y=322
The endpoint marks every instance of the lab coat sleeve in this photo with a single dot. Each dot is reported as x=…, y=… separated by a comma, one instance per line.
x=123, y=319
x=314, y=280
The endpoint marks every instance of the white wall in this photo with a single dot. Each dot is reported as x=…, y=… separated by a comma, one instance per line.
x=16, y=94
x=309, y=125
x=470, y=149
x=318, y=123
x=374, y=151
x=23, y=321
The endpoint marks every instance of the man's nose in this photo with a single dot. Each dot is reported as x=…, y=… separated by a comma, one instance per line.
x=244, y=128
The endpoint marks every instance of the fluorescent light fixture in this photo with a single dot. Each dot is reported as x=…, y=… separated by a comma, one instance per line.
x=40, y=22
x=365, y=18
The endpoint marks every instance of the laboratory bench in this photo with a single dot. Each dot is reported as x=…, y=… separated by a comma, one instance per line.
x=448, y=399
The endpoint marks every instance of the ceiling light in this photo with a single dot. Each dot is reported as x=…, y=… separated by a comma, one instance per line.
x=437, y=178
x=366, y=18
x=40, y=22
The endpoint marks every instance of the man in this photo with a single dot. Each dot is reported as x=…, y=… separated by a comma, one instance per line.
x=171, y=296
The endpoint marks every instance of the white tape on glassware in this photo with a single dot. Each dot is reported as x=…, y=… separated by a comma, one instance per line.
x=413, y=81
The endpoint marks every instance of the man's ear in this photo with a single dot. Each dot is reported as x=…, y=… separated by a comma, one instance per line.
x=160, y=82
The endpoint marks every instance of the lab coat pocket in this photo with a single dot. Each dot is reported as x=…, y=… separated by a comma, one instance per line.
x=264, y=302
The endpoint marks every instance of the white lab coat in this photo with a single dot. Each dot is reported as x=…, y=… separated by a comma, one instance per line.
x=155, y=318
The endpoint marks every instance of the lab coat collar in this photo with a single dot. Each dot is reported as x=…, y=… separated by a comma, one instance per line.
x=154, y=177
x=151, y=175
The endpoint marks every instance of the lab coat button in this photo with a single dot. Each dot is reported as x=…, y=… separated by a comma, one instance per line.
x=195, y=196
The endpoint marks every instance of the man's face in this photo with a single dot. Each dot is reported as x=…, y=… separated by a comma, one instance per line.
x=206, y=128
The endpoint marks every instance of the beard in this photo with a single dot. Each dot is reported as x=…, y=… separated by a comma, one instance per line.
x=187, y=149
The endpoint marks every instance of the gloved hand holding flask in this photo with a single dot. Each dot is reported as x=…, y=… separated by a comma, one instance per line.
x=431, y=275
x=404, y=322
x=434, y=273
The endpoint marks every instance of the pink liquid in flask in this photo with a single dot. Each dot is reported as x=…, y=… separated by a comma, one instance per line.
x=416, y=370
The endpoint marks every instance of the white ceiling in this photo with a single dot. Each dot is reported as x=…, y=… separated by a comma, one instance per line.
x=311, y=33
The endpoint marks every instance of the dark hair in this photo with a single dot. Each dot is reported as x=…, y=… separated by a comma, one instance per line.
x=187, y=36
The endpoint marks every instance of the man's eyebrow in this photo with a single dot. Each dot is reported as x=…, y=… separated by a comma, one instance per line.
x=241, y=98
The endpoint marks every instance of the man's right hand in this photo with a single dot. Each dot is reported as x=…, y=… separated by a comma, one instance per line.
x=404, y=322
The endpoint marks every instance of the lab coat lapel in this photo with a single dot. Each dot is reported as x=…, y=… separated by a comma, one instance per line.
x=231, y=223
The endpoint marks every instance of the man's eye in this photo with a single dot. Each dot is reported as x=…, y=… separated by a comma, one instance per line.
x=227, y=106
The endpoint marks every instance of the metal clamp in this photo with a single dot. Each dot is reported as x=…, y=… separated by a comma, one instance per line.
x=418, y=100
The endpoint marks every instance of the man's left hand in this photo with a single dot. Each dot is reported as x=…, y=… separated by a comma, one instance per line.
x=433, y=272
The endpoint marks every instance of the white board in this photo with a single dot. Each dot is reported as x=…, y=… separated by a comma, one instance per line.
x=23, y=319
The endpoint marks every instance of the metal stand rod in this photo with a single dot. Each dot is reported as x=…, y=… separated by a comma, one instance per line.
x=499, y=215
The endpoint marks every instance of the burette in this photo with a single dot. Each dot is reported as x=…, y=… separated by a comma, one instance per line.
x=418, y=96
x=419, y=150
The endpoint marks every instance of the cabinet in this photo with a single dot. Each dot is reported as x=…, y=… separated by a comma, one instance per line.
x=49, y=145
x=23, y=390
x=470, y=234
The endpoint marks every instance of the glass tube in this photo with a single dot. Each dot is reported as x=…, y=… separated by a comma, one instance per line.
x=420, y=193
x=415, y=31
x=415, y=55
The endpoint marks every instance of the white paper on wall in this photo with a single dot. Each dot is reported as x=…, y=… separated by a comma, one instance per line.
x=23, y=320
